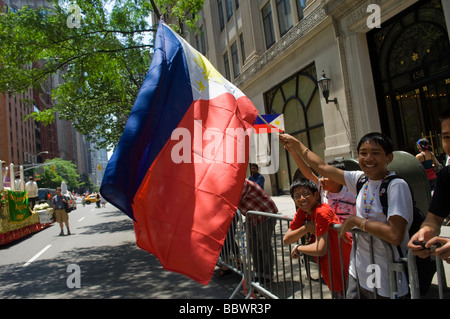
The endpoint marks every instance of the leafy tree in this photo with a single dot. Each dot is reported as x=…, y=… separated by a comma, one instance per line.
x=86, y=185
x=101, y=65
x=60, y=170
x=50, y=179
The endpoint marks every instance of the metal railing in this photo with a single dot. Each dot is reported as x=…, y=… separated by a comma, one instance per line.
x=254, y=250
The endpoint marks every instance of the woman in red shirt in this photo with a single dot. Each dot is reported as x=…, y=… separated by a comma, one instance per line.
x=313, y=217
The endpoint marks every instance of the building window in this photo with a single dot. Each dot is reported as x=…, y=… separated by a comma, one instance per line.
x=235, y=59
x=301, y=4
x=221, y=18
x=200, y=40
x=269, y=33
x=241, y=39
x=226, y=64
x=284, y=13
x=229, y=8
x=298, y=99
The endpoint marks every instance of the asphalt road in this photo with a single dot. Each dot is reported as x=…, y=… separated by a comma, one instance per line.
x=99, y=260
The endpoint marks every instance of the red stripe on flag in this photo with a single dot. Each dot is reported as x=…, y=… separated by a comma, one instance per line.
x=183, y=211
x=264, y=128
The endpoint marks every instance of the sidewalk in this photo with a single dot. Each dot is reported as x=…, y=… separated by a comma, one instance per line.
x=285, y=204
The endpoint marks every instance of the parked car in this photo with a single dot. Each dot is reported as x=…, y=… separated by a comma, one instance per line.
x=45, y=195
x=72, y=201
x=92, y=198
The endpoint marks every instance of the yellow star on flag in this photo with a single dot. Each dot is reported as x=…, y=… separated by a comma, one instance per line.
x=201, y=87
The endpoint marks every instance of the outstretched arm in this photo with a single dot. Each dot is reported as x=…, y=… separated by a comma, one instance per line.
x=293, y=145
x=302, y=166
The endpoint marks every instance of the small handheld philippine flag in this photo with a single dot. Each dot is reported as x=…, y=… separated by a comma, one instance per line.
x=269, y=123
x=182, y=199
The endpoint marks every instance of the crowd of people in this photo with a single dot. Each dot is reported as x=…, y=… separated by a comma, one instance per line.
x=352, y=199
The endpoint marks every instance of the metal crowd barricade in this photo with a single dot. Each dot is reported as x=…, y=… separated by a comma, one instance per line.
x=271, y=270
x=413, y=276
x=233, y=251
x=254, y=249
x=442, y=282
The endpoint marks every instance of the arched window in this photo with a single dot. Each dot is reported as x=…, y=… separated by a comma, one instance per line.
x=298, y=99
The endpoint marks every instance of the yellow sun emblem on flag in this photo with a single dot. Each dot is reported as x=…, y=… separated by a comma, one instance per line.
x=208, y=71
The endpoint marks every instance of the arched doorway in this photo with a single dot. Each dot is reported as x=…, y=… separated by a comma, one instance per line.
x=411, y=63
x=298, y=99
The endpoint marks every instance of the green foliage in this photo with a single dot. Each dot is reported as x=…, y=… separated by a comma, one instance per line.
x=182, y=11
x=63, y=171
x=86, y=185
x=99, y=67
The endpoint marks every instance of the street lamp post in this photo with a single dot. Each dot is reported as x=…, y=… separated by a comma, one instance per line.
x=36, y=156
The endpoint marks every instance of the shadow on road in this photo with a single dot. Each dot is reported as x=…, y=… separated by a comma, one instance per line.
x=115, y=271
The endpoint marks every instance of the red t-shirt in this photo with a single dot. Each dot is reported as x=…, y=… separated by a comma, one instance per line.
x=323, y=218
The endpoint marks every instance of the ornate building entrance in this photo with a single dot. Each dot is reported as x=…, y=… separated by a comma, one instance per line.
x=410, y=57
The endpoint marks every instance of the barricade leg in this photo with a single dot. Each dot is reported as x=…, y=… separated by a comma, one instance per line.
x=232, y=256
x=442, y=282
x=413, y=276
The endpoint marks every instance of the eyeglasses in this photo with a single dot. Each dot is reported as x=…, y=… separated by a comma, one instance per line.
x=304, y=194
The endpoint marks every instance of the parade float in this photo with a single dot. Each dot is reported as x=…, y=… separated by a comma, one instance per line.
x=17, y=220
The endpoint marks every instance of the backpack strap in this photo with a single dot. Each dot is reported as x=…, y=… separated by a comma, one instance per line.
x=383, y=192
x=384, y=201
x=360, y=183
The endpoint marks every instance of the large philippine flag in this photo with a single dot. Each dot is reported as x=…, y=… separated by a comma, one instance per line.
x=169, y=172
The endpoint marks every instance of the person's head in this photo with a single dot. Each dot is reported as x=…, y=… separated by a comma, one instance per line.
x=375, y=152
x=305, y=194
x=254, y=168
x=30, y=178
x=330, y=185
x=445, y=133
x=58, y=190
x=424, y=145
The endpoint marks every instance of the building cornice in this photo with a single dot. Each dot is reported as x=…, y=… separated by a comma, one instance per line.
x=298, y=32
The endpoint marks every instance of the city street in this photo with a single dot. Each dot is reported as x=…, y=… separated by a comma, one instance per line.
x=102, y=245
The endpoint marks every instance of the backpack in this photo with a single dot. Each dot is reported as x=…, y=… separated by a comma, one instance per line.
x=426, y=268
